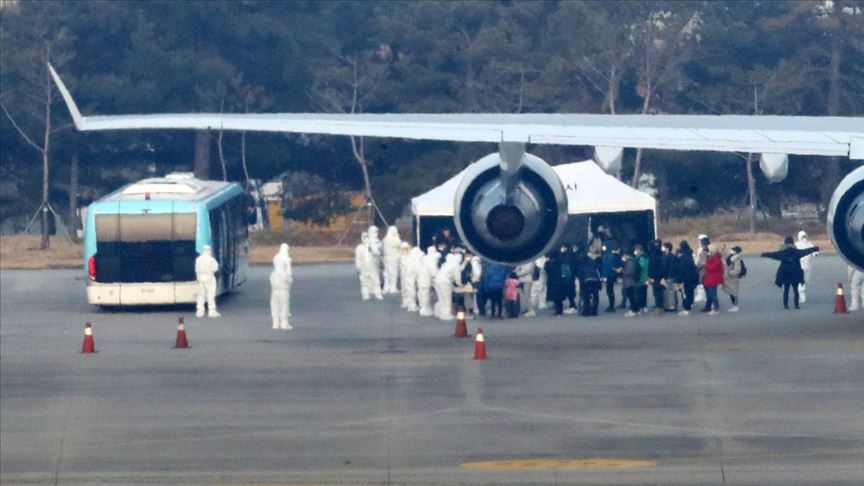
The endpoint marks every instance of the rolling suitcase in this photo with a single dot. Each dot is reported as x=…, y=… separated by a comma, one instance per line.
x=670, y=298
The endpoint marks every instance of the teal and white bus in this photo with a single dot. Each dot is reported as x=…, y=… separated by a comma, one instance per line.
x=141, y=241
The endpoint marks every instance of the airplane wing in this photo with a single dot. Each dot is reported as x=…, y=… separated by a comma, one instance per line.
x=830, y=136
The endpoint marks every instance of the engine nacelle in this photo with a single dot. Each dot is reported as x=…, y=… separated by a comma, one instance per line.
x=514, y=228
x=846, y=218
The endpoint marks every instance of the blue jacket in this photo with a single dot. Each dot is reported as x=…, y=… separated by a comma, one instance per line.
x=493, y=277
x=608, y=263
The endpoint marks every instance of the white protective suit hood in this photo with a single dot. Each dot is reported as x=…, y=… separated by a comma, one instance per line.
x=802, y=236
x=207, y=250
x=392, y=233
x=282, y=257
x=364, y=238
x=373, y=232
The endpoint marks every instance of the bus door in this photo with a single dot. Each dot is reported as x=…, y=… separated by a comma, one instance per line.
x=221, y=250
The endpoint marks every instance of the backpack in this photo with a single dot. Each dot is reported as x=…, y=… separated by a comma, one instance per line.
x=743, y=272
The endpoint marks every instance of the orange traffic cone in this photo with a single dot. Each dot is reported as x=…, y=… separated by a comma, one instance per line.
x=88, y=346
x=479, y=345
x=840, y=301
x=181, y=336
x=461, y=328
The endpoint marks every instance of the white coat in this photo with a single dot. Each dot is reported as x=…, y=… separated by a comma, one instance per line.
x=427, y=271
x=362, y=261
x=856, y=289
x=525, y=274
x=391, y=245
x=413, y=260
x=447, y=277
x=375, y=252
x=282, y=260
x=281, y=279
x=806, y=263
x=538, y=288
x=205, y=273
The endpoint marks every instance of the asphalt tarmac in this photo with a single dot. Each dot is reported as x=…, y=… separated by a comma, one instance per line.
x=366, y=393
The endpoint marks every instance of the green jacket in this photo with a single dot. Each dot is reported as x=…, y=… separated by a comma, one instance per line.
x=641, y=268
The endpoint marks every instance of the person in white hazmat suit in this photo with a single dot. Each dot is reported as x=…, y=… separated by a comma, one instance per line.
x=412, y=259
x=375, y=252
x=804, y=243
x=414, y=262
x=476, y=276
x=392, y=255
x=280, y=289
x=362, y=261
x=538, y=287
x=427, y=271
x=447, y=277
x=205, y=273
x=525, y=274
x=856, y=289
x=404, y=253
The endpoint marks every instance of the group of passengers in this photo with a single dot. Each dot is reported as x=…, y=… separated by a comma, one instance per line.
x=570, y=279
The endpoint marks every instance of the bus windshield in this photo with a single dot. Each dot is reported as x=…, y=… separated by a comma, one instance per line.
x=145, y=247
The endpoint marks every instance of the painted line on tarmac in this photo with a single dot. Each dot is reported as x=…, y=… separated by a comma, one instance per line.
x=592, y=463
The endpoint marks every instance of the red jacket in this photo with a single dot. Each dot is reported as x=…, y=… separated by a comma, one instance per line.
x=713, y=271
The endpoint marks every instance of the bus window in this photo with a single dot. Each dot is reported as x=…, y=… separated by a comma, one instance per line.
x=145, y=248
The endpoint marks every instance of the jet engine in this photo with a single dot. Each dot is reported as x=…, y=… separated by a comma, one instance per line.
x=846, y=218
x=510, y=213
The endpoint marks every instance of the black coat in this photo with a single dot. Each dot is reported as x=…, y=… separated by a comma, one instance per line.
x=684, y=269
x=789, y=272
x=554, y=282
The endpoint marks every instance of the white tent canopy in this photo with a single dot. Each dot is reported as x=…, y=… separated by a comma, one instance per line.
x=589, y=191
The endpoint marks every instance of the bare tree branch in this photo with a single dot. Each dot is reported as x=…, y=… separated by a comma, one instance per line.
x=20, y=131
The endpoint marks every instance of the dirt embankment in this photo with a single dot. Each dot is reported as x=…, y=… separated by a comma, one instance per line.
x=752, y=244
x=24, y=252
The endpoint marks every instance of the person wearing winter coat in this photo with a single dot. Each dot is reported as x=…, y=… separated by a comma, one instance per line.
x=732, y=278
x=610, y=265
x=629, y=277
x=686, y=276
x=804, y=243
x=555, y=281
x=589, y=284
x=655, y=272
x=642, y=269
x=568, y=272
x=494, y=276
x=856, y=288
x=713, y=278
x=391, y=251
x=511, y=295
x=789, y=273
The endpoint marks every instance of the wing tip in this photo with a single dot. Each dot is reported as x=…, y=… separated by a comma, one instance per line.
x=77, y=119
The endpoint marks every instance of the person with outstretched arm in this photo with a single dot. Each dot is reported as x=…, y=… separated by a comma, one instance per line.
x=789, y=273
